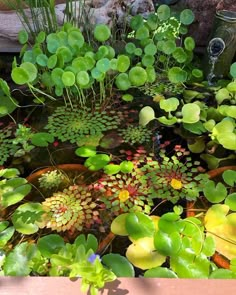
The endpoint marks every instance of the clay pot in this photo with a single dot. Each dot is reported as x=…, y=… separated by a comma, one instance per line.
x=217, y=258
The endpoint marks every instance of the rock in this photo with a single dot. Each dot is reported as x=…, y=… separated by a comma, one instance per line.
x=204, y=16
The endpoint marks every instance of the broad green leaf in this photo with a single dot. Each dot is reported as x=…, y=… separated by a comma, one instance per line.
x=15, y=195
x=229, y=177
x=215, y=193
x=50, y=244
x=26, y=218
x=143, y=254
x=167, y=244
x=146, y=115
x=186, y=16
x=169, y=104
x=17, y=262
x=231, y=201
x=89, y=242
x=139, y=225
x=222, y=274
x=118, y=225
x=191, y=113
x=177, y=75
x=6, y=235
x=119, y=265
x=86, y=151
x=42, y=139
x=97, y=162
x=126, y=166
x=160, y=272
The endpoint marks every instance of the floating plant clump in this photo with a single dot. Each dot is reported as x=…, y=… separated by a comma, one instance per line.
x=174, y=178
x=136, y=134
x=75, y=124
x=72, y=209
x=7, y=148
x=125, y=193
x=51, y=179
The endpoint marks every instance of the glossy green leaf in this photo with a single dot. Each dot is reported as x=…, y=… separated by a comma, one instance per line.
x=75, y=38
x=112, y=169
x=97, y=162
x=26, y=217
x=177, y=75
x=123, y=63
x=167, y=244
x=137, y=76
x=119, y=265
x=89, y=243
x=68, y=78
x=160, y=272
x=50, y=244
x=15, y=194
x=222, y=274
x=231, y=201
x=191, y=113
x=86, y=151
x=229, y=177
x=31, y=70
x=103, y=65
x=102, y=32
x=42, y=60
x=6, y=235
x=146, y=115
x=17, y=262
x=23, y=36
x=186, y=16
x=169, y=104
x=168, y=222
x=139, y=225
x=215, y=193
x=126, y=166
x=163, y=12
x=189, y=43
x=122, y=81
x=118, y=225
x=233, y=70
x=42, y=139
x=20, y=76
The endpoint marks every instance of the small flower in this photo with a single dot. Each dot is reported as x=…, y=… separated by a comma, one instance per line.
x=93, y=257
x=123, y=195
x=176, y=184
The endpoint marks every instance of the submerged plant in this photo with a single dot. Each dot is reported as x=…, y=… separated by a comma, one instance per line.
x=76, y=124
x=51, y=179
x=7, y=148
x=125, y=192
x=72, y=209
x=174, y=178
x=136, y=134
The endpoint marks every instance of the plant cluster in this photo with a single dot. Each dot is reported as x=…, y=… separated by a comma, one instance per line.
x=51, y=179
x=76, y=124
x=125, y=192
x=136, y=134
x=72, y=209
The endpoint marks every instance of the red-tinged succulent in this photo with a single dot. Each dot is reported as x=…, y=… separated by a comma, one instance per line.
x=125, y=193
x=72, y=209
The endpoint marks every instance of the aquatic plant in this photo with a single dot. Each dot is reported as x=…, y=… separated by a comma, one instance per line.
x=72, y=209
x=124, y=192
x=7, y=148
x=51, y=179
x=173, y=178
x=136, y=134
x=76, y=124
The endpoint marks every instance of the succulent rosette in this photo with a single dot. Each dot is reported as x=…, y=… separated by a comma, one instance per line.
x=72, y=209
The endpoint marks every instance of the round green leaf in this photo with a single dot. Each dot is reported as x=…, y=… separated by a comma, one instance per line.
x=15, y=194
x=123, y=63
x=118, y=225
x=177, y=75
x=42, y=139
x=229, y=177
x=119, y=265
x=50, y=244
x=20, y=76
x=68, y=78
x=122, y=81
x=215, y=193
x=86, y=151
x=167, y=244
x=6, y=235
x=160, y=272
x=233, y=70
x=163, y=12
x=146, y=115
x=26, y=217
x=42, y=60
x=111, y=169
x=102, y=32
x=186, y=17
x=23, y=36
x=169, y=104
x=139, y=225
x=231, y=201
x=103, y=65
x=126, y=166
x=82, y=78
x=75, y=39
x=97, y=162
x=191, y=113
x=189, y=43
x=137, y=76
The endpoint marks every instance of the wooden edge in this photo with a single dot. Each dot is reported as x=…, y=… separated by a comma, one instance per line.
x=121, y=286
